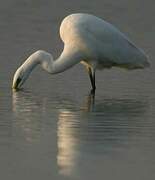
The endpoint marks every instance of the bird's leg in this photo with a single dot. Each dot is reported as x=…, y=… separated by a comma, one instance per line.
x=91, y=73
x=94, y=86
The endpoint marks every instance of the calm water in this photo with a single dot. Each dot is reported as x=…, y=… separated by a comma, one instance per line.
x=53, y=129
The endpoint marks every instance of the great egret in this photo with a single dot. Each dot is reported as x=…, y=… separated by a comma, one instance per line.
x=88, y=40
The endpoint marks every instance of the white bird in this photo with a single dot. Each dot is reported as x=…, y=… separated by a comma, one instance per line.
x=88, y=40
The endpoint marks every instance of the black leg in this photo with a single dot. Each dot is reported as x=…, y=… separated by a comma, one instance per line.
x=90, y=76
x=91, y=73
x=94, y=85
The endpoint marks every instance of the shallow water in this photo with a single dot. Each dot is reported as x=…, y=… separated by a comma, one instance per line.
x=53, y=128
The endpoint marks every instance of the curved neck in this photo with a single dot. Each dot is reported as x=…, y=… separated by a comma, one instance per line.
x=66, y=60
x=30, y=63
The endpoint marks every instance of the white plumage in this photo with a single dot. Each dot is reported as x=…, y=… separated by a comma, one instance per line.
x=90, y=40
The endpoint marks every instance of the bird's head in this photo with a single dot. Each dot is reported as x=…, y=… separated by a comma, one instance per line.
x=19, y=78
x=39, y=57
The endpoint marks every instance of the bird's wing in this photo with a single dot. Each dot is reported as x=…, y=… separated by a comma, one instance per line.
x=112, y=45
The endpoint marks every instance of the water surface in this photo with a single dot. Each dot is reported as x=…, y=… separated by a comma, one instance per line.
x=54, y=128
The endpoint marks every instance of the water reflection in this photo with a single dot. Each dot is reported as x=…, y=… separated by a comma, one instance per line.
x=67, y=143
x=27, y=112
x=101, y=126
x=92, y=127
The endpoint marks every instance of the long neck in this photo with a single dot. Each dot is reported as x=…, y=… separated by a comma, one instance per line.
x=65, y=61
x=31, y=62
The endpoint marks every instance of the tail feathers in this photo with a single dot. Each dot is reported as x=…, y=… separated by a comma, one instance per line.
x=145, y=63
x=131, y=66
x=140, y=65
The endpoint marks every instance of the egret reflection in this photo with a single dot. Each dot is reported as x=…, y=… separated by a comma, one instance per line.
x=82, y=129
x=67, y=144
x=27, y=112
x=99, y=127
